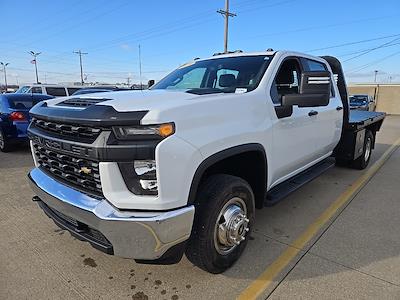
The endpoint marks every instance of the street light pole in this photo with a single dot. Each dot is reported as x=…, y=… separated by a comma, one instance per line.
x=376, y=73
x=5, y=74
x=35, y=55
x=140, y=68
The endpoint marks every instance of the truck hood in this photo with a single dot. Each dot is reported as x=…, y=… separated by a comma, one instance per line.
x=124, y=107
x=135, y=100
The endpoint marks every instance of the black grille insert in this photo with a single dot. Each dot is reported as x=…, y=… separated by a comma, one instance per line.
x=77, y=171
x=67, y=130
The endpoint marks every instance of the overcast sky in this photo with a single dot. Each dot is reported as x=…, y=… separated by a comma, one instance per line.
x=365, y=35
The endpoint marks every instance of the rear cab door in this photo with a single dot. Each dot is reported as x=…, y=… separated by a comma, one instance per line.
x=328, y=119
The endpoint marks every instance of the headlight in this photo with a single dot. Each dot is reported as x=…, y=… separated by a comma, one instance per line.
x=144, y=131
x=140, y=176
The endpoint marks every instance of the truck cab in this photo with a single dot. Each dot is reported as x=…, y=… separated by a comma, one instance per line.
x=181, y=168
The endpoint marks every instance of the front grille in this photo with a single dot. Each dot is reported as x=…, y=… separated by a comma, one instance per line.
x=82, y=102
x=77, y=171
x=69, y=131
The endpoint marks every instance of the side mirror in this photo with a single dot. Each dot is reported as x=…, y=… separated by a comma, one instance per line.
x=315, y=89
x=150, y=83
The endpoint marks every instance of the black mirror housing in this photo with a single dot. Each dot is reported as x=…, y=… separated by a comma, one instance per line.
x=315, y=89
x=150, y=83
x=305, y=100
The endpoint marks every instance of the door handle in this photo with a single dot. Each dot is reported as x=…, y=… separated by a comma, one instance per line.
x=313, y=113
x=339, y=108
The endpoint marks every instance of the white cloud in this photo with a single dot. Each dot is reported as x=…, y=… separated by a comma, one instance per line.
x=125, y=47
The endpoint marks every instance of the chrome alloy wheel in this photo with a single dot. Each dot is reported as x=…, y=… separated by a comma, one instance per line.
x=231, y=226
x=368, y=146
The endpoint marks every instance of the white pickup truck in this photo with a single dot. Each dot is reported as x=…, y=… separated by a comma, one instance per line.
x=180, y=168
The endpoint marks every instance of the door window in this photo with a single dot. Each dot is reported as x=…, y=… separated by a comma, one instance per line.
x=56, y=91
x=72, y=90
x=36, y=90
x=312, y=65
x=286, y=81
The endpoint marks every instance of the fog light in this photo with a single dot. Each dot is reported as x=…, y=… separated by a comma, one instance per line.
x=150, y=185
x=145, y=168
x=140, y=176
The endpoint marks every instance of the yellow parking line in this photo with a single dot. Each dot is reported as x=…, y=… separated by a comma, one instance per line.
x=259, y=285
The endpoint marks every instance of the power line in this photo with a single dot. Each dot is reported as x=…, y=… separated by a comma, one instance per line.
x=372, y=49
x=353, y=43
x=372, y=63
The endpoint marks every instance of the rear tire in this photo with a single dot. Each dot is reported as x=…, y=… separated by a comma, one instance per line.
x=362, y=162
x=4, y=144
x=223, y=221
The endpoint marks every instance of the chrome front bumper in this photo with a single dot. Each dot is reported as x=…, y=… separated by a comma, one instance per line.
x=132, y=234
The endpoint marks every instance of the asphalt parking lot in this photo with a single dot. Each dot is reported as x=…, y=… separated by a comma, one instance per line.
x=356, y=255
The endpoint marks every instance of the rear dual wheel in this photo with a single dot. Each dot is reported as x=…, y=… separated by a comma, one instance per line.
x=363, y=161
x=223, y=220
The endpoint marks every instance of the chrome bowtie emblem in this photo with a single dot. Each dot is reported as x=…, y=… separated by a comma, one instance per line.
x=86, y=170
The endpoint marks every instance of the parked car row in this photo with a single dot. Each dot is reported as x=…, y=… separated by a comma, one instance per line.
x=63, y=91
x=14, y=118
x=14, y=108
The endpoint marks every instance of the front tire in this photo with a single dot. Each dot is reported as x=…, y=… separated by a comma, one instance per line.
x=223, y=221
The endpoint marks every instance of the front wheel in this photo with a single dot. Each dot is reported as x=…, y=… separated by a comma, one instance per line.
x=223, y=220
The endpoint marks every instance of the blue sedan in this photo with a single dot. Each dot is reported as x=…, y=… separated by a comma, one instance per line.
x=14, y=118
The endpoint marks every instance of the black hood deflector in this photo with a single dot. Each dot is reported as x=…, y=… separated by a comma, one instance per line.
x=94, y=115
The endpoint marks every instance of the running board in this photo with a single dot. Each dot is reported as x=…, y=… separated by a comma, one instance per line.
x=287, y=187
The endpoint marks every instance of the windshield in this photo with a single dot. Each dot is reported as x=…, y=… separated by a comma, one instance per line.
x=23, y=89
x=221, y=75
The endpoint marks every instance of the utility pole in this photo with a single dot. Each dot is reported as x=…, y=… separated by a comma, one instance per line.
x=226, y=15
x=34, y=61
x=128, y=80
x=5, y=74
x=80, y=53
x=140, y=68
x=376, y=73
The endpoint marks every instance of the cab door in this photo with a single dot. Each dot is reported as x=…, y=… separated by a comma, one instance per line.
x=329, y=117
x=293, y=130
